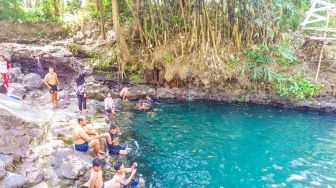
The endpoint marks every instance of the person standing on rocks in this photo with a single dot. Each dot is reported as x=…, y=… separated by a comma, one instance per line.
x=51, y=81
x=81, y=91
x=84, y=139
x=4, y=70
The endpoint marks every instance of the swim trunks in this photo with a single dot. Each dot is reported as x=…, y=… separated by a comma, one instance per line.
x=115, y=150
x=134, y=182
x=82, y=147
x=53, y=88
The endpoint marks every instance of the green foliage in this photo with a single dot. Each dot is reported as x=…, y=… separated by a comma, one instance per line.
x=259, y=59
x=40, y=34
x=283, y=53
x=135, y=72
x=168, y=58
x=257, y=64
x=232, y=63
x=99, y=62
x=15, y=11
x=296, y=85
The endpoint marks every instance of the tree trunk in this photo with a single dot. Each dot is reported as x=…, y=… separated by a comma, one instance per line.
x=231, y=13
x=123, y=49
x=101, y=19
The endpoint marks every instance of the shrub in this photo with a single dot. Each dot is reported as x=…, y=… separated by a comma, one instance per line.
x=257, y=64
x=296, y=85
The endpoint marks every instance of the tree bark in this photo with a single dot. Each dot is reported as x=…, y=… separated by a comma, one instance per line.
x=101, y=19
x=123, y=49
x=231, y=13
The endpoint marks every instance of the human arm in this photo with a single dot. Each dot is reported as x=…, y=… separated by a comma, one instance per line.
x=90, y=132
x=129, y=170
x=45, y=80
x=129, y=179
x=84, y=136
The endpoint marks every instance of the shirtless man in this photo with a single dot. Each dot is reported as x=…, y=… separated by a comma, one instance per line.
x=119, y=179
x=83, y=141
x=51, y=81
x=113, y=142
x=96, y=176
x=125, y=93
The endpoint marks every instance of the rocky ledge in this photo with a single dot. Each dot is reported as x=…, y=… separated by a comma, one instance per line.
x=33, y=150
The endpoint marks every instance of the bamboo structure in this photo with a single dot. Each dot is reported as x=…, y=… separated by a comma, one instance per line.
x=320, y=13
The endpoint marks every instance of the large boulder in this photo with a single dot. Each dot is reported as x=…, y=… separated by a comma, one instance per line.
x=17, y=89
x=70, y=164
x=32, y=81
x=21, y=127
x=14, y=181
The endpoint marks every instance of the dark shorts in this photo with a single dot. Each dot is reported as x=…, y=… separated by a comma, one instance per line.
x=115, y=150
x=53, y=88
x=82, y=147
x=108, y=110
x=134, y=182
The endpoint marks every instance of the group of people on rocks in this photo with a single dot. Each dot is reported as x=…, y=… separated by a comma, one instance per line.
x=85, y=139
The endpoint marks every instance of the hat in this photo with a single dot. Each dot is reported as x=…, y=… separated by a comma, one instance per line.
x=98, y=162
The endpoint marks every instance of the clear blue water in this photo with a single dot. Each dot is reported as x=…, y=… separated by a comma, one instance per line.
x=208, y=144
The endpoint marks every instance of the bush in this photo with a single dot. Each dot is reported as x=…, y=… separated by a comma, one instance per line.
x=257, y=64
x=297, y=86
x=259, y=59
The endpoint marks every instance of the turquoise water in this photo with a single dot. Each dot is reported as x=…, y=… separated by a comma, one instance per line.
x=208, y=144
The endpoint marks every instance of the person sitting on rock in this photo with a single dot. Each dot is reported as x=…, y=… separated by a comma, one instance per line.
x=113, y=142
x=119, y=179
x=125, y=94
x=96, y=176
x=83, y=141
x=51, y=81
x=4, y=70
x=109, y=104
